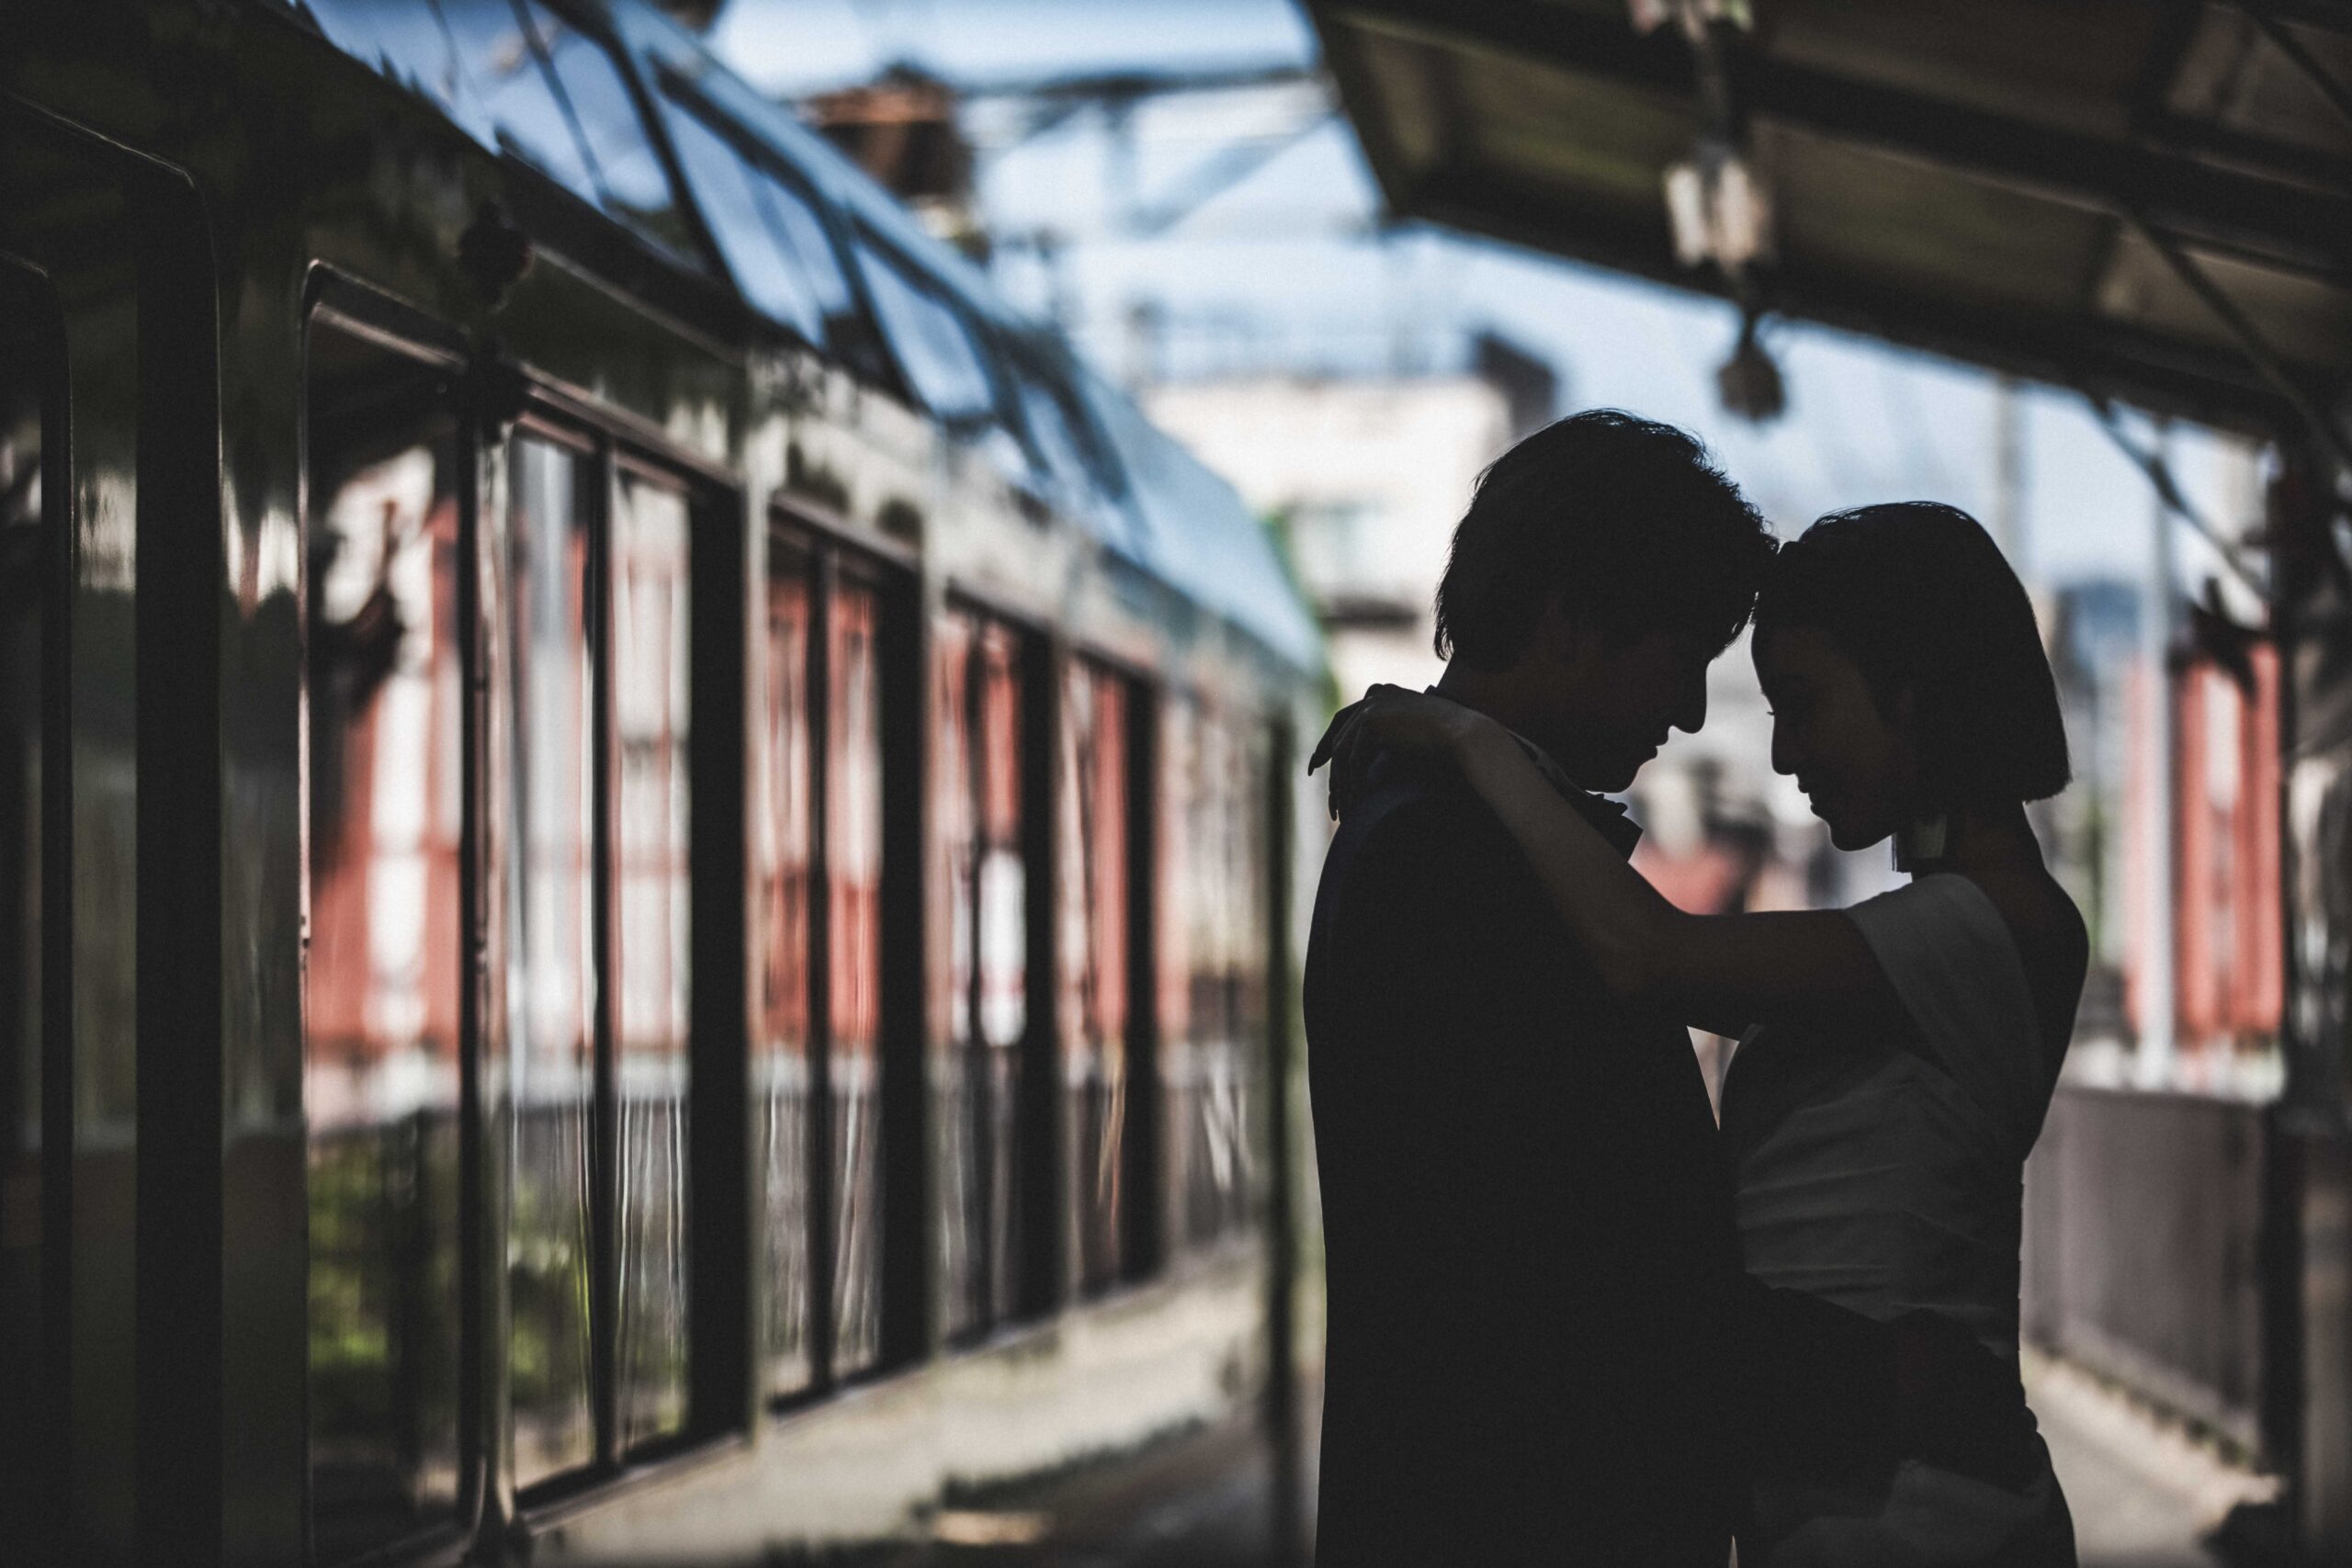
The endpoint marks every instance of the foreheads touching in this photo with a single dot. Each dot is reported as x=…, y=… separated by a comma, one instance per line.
x=1603, y=562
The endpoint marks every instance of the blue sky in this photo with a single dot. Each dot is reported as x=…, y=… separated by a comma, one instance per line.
x=1294, y=263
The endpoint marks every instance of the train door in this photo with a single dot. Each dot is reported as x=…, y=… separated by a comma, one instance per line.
x=98, y=339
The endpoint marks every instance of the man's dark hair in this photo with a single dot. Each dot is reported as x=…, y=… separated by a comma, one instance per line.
x=1918, y=595
x=1620, y=518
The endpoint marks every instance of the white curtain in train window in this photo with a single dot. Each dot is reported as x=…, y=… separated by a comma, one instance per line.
x=1177, y=940
x=1002, y=1013
x=956, y=1095
x=1221, y=891
x=1093, y=990
x=980, y=1005
x=384, y=973
x=853, y=861
x=780, y=1077
x=25, y=554
x=548, y=725
x=651, y=933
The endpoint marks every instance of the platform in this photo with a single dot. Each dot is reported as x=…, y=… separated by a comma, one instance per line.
x=2145, y=1493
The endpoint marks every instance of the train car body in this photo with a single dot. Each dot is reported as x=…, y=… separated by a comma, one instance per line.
x=644, y=839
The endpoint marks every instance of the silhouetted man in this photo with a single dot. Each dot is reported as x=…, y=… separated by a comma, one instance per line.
x=1535, y=1299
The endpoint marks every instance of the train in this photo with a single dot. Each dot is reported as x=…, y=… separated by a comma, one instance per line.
x=647, y=842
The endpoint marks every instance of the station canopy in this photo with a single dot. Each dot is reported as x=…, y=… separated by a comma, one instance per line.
x=2143, y=199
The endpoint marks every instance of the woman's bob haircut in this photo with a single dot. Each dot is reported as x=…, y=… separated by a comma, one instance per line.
x=1917, y=594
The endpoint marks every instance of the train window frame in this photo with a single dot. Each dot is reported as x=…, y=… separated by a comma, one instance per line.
x=1257, y=733
x=1036, y=1264
x=1141, y=1231
x=28, y=1497
x=830, y=554
x=717, y=1326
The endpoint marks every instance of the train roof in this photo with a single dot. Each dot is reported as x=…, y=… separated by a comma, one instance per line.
x=1150, y=501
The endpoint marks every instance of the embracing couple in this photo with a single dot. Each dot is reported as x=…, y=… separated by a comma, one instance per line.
x=1570, y=1319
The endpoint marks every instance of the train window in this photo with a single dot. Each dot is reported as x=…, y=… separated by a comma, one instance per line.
x=1094, y=862
x=773, y=241
x=941, y=359
x=553, y=992
x=785, y=856
x=651, y=947
x=983, y=1016
x=854, y=863
x=387, y=948
x=819, y=866
x=597, y=713
x=634, y=185
x=1215, y=1027
x=26, y=531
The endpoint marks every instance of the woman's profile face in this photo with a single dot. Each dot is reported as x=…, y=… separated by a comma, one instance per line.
x=1855, y=763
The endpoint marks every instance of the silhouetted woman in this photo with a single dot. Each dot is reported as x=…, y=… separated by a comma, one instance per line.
x=1897, y=1058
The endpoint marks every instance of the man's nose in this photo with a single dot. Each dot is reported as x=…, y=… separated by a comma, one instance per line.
x=1784, y=758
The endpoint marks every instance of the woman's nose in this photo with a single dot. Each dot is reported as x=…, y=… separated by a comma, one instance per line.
x=1691, y=712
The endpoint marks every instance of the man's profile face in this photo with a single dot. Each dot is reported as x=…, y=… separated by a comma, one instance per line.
x=1620, y=697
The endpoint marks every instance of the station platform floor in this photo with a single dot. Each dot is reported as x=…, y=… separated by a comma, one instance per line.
x=2144, y=1495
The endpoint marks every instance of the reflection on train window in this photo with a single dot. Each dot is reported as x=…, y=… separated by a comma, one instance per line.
x=387, y=945
x=25, y=535
x=651, y=938
x=526, y=117
x=982, y=1019
x=474, y=61
x=1214, y=966
x=774, y=244
x=853, y=861
x=634, y=184
x=552, y=996
x=1093, y=864
x=601, y=976
x=408, y=43
x=933, y=344
x=780, y=1067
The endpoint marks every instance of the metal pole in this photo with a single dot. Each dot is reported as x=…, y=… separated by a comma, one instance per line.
x=2154, y=1065
x=2009, y=470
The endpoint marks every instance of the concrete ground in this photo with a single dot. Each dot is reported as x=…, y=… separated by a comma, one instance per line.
x=2144, y=1495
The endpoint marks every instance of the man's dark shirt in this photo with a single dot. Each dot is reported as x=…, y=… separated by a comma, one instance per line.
x=1531, y=1262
